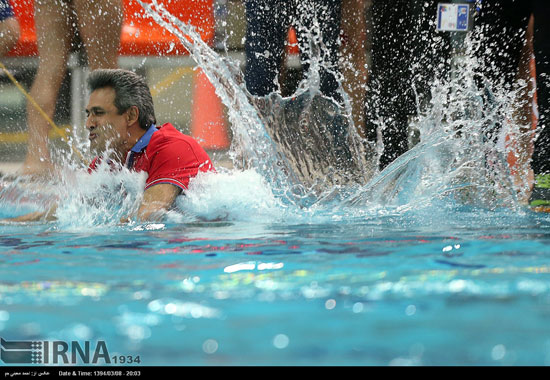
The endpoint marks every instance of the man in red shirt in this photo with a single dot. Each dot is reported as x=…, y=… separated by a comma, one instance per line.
x=122, y=128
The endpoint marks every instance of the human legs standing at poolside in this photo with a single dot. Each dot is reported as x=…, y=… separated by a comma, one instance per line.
x=405, y=57
x=317, y=25
x=321, y=19
x=99, y=24
x=268, y=22
x=506, y=59
x=541, y=155
x=541, y=47
x=354, y=53
x=9, y=28
x=266, y=32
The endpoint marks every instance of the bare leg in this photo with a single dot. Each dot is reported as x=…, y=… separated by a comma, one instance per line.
x=355, y=57
x=524, y=117
x=100, y=23
x=53, y=36
x=9, y=34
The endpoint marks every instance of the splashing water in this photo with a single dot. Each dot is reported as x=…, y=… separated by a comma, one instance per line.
x=285, y=156
x=457, y=159
x=285, y=139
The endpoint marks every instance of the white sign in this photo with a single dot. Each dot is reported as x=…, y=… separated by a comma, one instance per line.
x=453, y=17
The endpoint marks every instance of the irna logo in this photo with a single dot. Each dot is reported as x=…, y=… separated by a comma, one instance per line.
x=53, y=352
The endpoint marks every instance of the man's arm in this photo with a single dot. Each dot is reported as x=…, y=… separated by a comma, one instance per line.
x=48, y=215
x=156, y=201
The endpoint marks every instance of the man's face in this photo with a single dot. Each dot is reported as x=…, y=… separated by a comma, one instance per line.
x=108, y=129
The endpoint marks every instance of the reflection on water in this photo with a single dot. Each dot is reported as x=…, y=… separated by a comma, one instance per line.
x=243, y=293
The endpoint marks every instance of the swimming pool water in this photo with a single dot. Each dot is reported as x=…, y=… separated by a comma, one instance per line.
x=385, y=290
x=393, y=271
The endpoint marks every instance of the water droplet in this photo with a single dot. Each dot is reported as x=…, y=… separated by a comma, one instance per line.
x=410, y=310
x=82, y=332
x=210, y=346
x=170, y=308
x=281, y=341
x=4, y=315
x=358, y=307
x=138, y=332
x=330, y=304
x=498, y=352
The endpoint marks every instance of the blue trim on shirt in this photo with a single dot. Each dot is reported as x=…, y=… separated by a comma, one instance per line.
x=144, y=140
x=6, y=10
x=140, y=145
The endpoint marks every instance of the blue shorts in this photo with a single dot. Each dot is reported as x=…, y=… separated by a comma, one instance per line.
x=5, y=10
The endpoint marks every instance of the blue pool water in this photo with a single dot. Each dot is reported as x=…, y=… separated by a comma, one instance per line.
x=396, y=289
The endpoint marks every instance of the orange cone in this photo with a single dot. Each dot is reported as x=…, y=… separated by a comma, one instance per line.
x=207, y=119
x=292, y=42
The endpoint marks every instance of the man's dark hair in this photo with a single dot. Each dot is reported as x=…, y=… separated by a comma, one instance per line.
x=130, y=90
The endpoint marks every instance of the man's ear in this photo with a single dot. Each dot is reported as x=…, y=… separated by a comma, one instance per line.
x=132, y=115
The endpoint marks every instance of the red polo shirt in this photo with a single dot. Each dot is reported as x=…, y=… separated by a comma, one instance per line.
x=168, y=156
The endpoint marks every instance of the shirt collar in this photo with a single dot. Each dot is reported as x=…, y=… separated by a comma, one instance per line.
x=144, y=140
